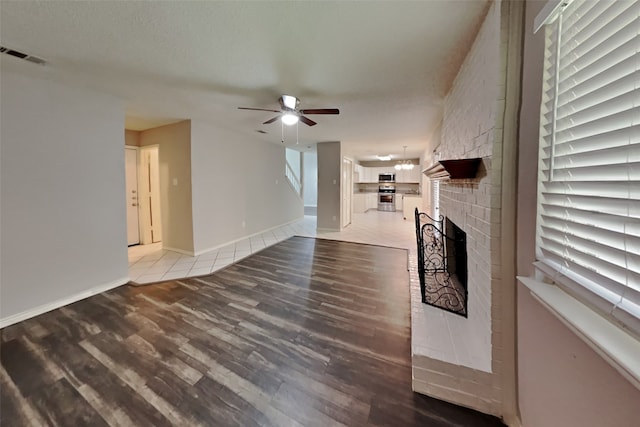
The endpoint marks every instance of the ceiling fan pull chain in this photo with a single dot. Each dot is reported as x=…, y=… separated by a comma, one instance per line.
x=297, y=127
x=282, y=129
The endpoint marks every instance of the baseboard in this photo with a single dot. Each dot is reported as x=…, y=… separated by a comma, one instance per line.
x=36, y=311
x=180, y=251
x=248, y=236
x=327, y=230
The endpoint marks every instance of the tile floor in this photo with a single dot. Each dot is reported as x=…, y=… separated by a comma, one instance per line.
x=151, y=263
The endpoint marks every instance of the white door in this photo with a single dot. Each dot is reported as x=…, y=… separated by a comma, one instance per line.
x=151, y=221
x=131, y=180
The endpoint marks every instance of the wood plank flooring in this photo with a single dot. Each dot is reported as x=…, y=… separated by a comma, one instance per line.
x=308, y=332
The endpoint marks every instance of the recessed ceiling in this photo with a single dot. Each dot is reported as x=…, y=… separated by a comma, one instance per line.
x=385, y=65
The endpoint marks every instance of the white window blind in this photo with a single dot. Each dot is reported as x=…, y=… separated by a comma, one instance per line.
x=435, y=199
x=588, y=229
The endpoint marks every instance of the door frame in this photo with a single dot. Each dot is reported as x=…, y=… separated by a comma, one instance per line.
x=137, y=192
x=347, y=191
x=144, y=204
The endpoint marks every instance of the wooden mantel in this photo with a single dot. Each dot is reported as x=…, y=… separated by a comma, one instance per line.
x=453, y=169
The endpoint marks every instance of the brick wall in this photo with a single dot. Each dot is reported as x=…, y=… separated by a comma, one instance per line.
x=471, y=127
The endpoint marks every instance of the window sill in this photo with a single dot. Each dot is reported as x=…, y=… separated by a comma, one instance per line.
x=618, y=348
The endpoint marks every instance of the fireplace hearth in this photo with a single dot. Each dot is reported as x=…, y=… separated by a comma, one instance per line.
x=442, y=263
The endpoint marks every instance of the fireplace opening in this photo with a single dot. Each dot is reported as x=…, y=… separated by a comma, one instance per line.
x=456, y=252
x=442, y=263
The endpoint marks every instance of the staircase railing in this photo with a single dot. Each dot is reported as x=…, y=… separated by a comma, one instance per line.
x=293, y=179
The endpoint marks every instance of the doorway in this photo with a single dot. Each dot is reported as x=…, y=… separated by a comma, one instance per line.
x=149, y=195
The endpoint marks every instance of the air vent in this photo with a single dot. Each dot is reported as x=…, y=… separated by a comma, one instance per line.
x=22, y=55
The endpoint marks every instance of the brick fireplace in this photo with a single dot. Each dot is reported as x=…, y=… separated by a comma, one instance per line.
x=455, y=358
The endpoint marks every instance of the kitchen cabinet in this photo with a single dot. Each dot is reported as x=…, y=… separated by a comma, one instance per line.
x=372, y=200
x=362, y=202
x=399, y=198
x=373, y=174
x=356, y=173
x=359, y=202
x=409, y=204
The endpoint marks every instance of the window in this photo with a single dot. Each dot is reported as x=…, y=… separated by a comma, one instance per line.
x=588, y=226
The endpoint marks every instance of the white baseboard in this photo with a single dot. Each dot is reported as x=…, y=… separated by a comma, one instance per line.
x=325, y=230
x=180, y=251
x=213, y=248
x=36, y=311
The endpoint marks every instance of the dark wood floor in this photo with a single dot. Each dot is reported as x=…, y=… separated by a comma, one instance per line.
x=305, y=333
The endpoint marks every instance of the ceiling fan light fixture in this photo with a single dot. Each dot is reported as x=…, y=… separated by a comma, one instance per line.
x=289, y=101
x=289, y=119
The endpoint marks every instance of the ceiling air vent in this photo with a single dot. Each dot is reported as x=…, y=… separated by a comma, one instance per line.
x=22, y=55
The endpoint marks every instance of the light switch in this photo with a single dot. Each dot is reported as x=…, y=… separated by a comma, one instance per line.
x=175, y=181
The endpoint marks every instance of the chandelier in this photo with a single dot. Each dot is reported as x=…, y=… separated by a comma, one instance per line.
x=404, y=164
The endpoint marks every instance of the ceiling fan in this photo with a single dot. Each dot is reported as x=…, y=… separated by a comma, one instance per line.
x=290, y=114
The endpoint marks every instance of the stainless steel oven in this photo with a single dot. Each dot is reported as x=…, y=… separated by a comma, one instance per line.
x=387, y=198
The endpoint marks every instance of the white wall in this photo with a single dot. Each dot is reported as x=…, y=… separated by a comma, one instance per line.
x=329, y=172
x=310, y=178
x=561, y=381
x=62, y=194
x=238, y=186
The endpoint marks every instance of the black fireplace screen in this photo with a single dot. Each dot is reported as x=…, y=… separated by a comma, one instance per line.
x=442, y=263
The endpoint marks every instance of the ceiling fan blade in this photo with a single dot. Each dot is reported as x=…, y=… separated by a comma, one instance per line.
x=258, y=109
x=307, y=121
x=320, y=111
x=271, y=120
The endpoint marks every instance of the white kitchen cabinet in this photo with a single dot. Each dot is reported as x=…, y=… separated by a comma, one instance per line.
x=362, y=202
x=399, y=198
x=359, y=202
x=409, y=204
x=371, y=174
x=357, y=173
x=366, y=173
x=372, y=200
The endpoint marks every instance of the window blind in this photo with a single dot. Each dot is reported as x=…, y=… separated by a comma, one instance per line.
x=588, y=228
x=435, y=198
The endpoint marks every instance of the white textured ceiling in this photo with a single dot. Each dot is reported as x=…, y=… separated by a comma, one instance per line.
x=385, y=65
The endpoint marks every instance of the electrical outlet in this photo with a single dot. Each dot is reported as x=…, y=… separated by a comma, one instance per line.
x=244, y=224
x=335, y=217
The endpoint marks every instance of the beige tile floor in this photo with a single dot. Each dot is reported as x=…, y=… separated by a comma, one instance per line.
x=151, y=263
